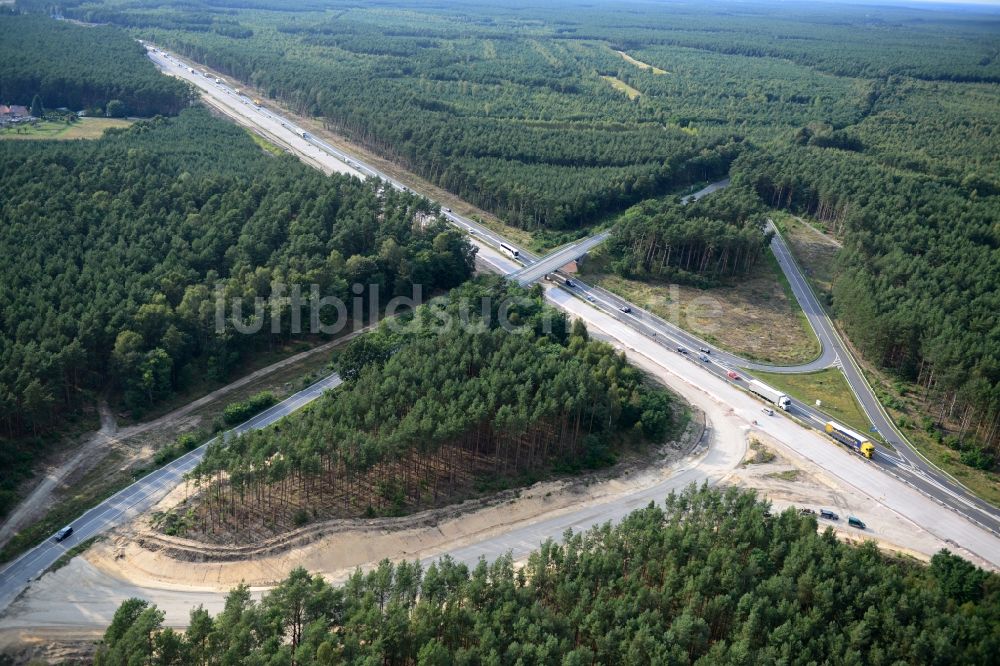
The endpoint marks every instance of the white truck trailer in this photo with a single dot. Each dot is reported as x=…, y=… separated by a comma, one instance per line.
x=773, y=396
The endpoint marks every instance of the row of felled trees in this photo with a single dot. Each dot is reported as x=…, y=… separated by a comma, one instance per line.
x=426, y=413
x=705, y=578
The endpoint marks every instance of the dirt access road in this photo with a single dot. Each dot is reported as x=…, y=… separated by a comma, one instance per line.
x=95, y=447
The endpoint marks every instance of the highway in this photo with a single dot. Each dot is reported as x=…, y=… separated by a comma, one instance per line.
x=557, y=259
x=898, y=478
x=139, y=497
x=903, y=461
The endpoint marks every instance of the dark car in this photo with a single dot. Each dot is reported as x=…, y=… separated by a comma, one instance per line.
x=829, y=515
x=854, y=522
x=64, y=533
x=626, y=309
x=569, y=283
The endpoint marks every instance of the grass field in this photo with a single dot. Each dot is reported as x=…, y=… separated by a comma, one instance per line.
x=266, y=145
x=640, y=64
x=756, y=317
x=828, y=386
x=618, y=84
x=84, y=128
x=815, y=250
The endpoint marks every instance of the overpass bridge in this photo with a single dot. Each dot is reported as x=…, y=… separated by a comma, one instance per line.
x=557, y=259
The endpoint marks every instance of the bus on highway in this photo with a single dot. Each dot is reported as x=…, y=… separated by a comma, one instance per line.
x=510, y=250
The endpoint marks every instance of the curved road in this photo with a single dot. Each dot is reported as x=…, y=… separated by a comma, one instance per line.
x=138, y=497
x=909, y=463
x=645, y=335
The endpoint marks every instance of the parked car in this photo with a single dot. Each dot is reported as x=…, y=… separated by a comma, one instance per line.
x=855, y=522
x=829, y=515
x=64, y=533
x=768, y=411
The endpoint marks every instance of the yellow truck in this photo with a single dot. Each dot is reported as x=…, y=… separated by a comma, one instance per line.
x=853, y=440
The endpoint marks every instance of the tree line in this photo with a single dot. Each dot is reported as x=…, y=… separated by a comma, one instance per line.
x=425, y=414
x=719, y=237
x=77, y=67
x=917, y=286
x=116, y=253
x=708, y=577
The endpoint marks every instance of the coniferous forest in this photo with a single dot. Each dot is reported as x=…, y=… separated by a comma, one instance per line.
x=881, y=122
x=427, y=414
x=116, y=251
x=708, y=578
x=81, y=68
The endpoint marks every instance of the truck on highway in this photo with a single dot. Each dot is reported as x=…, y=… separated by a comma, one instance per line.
x=853, y=440
x=509, y=250
x=771, y=395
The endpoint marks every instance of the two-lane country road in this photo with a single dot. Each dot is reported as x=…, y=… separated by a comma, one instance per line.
x=138, y=497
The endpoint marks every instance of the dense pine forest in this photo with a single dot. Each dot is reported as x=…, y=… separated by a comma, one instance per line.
x=81, y=68
x=881, y=122
x=429, y=413
x=114, y=253
x=719, y=237
x=707, y=578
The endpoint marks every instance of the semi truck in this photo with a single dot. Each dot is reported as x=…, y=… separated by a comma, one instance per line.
x=771, y=395
x=853, y=440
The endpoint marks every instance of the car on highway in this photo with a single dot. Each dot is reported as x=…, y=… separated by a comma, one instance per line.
x=732, y=374
x=829, y=515
x=855, y=522
x=570, y=283
x=590, y=298
x=626, y=309
x=705, y=350
x=702, y=357
x=682, y=350
x=447, y=210
x=64, y=533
